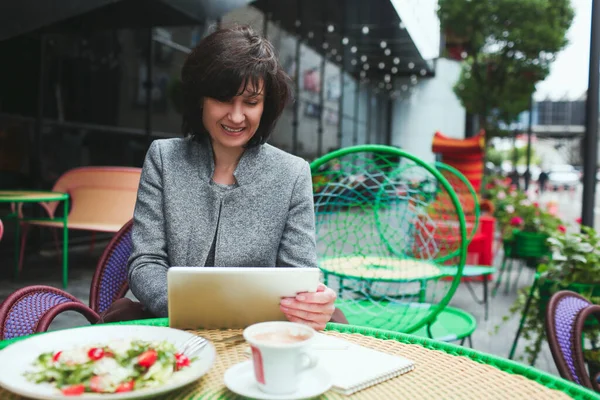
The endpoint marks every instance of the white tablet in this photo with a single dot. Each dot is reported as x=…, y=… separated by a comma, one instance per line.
x=220, y=297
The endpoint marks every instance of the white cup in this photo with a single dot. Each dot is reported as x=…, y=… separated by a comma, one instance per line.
x=279, y=354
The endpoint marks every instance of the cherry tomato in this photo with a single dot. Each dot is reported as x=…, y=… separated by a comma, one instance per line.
x=95, y=353
x=96, y=384
x=147, y=358
x=125, y=387
x=181, y=361
x=56, y=356
x=73, y=390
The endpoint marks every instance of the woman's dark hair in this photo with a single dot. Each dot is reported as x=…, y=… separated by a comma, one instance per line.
x=224, y=62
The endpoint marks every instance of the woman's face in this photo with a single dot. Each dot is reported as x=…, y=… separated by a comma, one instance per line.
x=232, y=123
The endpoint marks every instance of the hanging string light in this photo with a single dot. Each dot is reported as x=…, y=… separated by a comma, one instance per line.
x=330, y=28
x=387, y=52
x=345, y=41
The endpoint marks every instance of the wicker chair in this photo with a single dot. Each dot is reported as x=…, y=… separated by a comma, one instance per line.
x=33, y=308
x=565, y=317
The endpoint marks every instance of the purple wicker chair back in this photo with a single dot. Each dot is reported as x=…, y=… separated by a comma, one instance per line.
x=33, y=308
x=564, y=335
x=110, y=279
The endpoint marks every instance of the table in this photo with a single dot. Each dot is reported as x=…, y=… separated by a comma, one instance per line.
x=443, y=370
x=34, y=196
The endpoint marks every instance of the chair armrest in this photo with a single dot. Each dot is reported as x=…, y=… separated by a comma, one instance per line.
x=79, y=307
x=33, y=308
x=588, y=381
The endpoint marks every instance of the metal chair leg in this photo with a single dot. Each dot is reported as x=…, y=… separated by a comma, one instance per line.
x=498, y=281
x=500, y=275
x=483, y=301
x=523, y=317
x=507, y=286
x=485, y=297
x=521, y=266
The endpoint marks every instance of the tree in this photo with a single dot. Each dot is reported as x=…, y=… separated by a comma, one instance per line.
x=506, y=47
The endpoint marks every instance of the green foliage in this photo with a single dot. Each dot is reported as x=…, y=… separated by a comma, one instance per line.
x=575, y=261
x=514, y=211
x=510, y=45
x=575, y=257
x=498, y=156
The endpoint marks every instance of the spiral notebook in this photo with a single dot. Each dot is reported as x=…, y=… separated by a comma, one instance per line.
x=353, y=367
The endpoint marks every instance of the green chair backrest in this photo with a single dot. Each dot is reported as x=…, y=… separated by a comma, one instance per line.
x=376, y=235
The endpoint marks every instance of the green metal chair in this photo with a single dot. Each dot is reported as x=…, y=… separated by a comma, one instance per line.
x=378, y=244
x=469, y=201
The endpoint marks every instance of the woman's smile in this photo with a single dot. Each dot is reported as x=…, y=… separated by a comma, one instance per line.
x=233, y=131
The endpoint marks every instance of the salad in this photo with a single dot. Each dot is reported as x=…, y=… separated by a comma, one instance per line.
x=115, y=368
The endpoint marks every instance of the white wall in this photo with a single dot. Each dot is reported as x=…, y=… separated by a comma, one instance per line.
x=433, y=106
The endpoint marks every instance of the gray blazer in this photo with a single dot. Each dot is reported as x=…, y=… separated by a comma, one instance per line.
x=266, y=221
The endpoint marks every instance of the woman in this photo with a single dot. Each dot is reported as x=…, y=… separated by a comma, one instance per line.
x=222, y=196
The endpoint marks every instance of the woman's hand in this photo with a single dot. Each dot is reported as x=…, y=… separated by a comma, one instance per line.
x=313, y=309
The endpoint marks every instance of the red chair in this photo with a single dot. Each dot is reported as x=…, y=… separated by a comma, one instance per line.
x=33, y=308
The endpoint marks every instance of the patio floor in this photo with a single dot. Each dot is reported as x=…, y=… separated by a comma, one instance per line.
x=44, y=269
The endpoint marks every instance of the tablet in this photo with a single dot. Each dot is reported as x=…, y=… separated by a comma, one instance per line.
x=228, y=297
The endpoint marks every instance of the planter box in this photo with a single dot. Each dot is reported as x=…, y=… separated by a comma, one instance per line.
x=530, y=245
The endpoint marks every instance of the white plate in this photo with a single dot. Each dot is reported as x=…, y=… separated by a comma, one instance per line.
x=19, y=357
x=240, y=380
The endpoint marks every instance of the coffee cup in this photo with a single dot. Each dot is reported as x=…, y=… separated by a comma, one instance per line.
x=279, y=354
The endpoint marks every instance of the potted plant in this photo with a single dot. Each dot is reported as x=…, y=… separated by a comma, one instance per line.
x=574, y=265
x=524, y=225
x=592, y=358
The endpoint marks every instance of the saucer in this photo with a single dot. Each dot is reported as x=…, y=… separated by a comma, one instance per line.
x=240, y=380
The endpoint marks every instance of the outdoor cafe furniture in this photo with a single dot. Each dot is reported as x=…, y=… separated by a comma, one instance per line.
x=33, y=308
x=469, y=200
x=442, y=370
x=102, y=200
x=566, y=315
x=395, y=266
x=19, y=197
